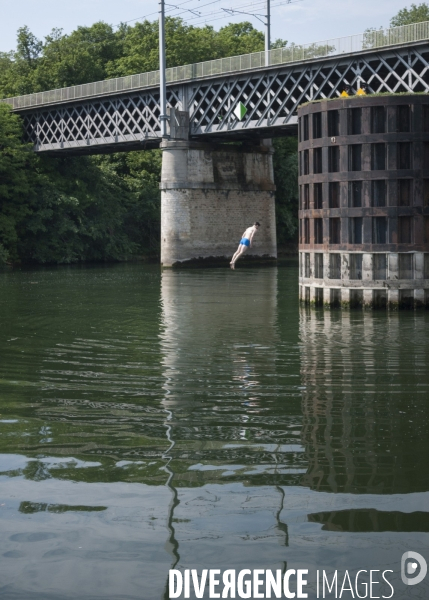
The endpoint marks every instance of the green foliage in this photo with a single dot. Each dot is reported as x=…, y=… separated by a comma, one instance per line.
x=16, y=164
x=185, y=44
x=286, y=179
x=239, y=38
x=61, y=60
x=64, y=210
x=77, y=213
x=78, y=58
x=417, y=13
x=97, y=52
x=278, y=43
x=70, y=209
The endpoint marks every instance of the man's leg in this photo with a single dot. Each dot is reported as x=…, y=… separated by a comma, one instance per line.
x=239, y=252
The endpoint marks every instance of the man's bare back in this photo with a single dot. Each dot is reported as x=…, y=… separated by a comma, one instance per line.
x=249, y=233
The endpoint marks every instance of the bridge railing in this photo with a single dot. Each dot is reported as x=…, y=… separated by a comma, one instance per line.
x=370, y=39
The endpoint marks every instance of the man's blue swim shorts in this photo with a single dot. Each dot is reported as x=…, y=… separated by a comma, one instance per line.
x=245, y=242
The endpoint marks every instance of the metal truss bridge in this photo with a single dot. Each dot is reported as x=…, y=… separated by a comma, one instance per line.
x=123, y=113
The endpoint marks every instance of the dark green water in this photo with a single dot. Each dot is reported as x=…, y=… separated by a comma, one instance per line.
x=202, y=419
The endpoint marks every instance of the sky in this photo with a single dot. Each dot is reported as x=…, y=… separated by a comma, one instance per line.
x=302, y=21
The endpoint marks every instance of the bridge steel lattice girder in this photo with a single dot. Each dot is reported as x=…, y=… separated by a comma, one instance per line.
x=130, y=120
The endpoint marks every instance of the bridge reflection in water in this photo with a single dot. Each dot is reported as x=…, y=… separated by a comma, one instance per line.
x=219, y=339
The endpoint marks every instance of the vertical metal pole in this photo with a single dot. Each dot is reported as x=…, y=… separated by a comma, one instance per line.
x=410, y=76
x=162, y=87
x=268, y=34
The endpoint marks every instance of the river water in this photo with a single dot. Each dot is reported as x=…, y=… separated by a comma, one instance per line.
x=201, y=419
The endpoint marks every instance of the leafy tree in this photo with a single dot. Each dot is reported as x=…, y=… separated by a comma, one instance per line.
x=77, y=214
x=239, y=38
x=141, y=172
x=18, y=77
x=69, y=209
x=285, y=161
x=417, y=13
x=185, y=44
x=78, y=58
x=16, y=164
x=28, y=46
x=374, y=37
x=278, y=43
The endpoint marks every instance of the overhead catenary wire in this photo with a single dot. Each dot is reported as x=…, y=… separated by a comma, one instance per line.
x=204, y=20
x=258, y=5
x=212, y=16
x=255, y=5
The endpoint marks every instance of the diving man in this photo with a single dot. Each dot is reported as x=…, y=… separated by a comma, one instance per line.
x=245, y=242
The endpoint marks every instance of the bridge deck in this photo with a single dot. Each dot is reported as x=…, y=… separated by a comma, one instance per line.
x=369, y=40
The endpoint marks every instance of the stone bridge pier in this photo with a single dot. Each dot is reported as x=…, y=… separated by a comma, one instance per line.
x=210, y=193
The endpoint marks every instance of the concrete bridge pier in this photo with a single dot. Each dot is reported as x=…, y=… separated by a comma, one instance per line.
x=210, y=193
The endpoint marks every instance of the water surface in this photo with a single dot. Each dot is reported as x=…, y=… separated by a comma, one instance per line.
x=202, y=419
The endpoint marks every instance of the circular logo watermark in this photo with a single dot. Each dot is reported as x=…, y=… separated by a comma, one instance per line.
x=413, y=568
